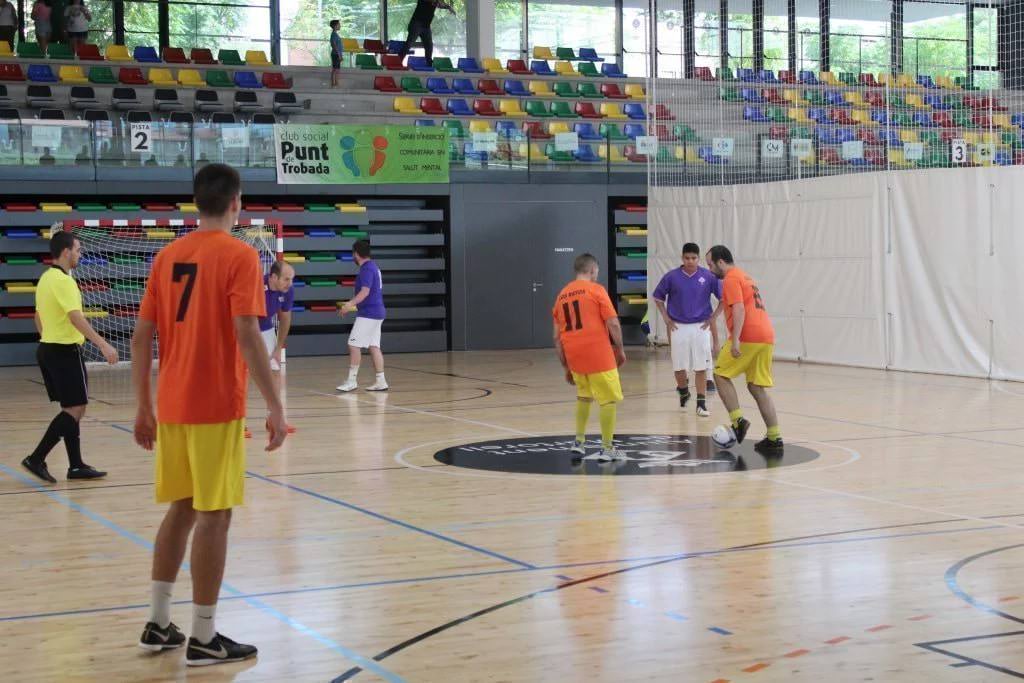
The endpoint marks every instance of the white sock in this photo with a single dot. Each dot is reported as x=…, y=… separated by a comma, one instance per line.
x=160, y=603
x=353, y=372
x=380, y=378
x=202, y=622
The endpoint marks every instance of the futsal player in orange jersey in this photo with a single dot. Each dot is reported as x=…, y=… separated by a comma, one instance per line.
x=588, y=339
x=203, y=299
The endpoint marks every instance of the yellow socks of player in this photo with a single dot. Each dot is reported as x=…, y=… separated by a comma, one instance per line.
x=582, y=415
x=735, y=416
x=774, y=433
x=608, y=412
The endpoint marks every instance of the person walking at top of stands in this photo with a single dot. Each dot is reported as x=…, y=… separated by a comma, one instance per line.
x=419, y=26
x=8, y=22
x=76, y=23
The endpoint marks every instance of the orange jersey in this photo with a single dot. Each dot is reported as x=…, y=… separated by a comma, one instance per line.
x=580, y=312
x=197, y=286
x=740, y=288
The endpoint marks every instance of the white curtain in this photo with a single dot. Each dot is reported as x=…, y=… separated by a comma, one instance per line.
x=912, y=270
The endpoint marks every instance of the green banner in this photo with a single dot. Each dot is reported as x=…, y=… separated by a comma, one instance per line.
x=346, y=155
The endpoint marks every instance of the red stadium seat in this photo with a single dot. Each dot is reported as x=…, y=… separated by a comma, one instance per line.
x=663, y=113
x=385, y=84
x=431, y=105
x=201, y=55
x=374, y=47
x=130, y=75
x=778, y=132
x=587, y=111
x=276, y=81
x=88, y=52
x=485, y=108
x=489, y=87
x=174, y=55
x=393, y=63
x=535, y=129
x=612, y=91
x=518, y=66
x=11, y=72
x=787, y=77
x=703, y=73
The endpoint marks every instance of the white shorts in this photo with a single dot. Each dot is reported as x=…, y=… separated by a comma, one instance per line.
x=365, y=333
x=270, y=341
x=691, y=348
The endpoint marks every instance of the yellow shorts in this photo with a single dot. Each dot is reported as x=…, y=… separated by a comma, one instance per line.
x=203, y=462
x=604, y=387
x=755, y=362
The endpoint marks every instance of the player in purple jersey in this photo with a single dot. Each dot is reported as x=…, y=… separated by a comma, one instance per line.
x=683, y=298
x=368, y=303
x=279, y=294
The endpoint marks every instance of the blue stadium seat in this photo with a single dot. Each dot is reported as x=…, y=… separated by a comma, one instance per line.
x=41, y=73
x=926, y=81
x=541, y=68
x=585, y=153
x=395, y=47
x=464, y=86
x=146, y=55
x=516, y=88
x=632, y=130
x=419, y=64
x=439, y=86
x=923, y=118
x=936, y=102
x=755, y=114
x=458, y=107
x=746, y=75
x=1017, y=120
x=767, y=76
x=469, y=65
x=879, y=116
x=751, y=95
x=506, y=129
x=818, y=114
x=473, y=155
x=890, y=137
x=845, y=135
x=836, y=99
x=612, y=70
x=808, y=78
x=704, y=152
x=1003, y=158
x=586, y=131
x=425, y=122
x=589, y=54
x=247, y=80
x=825, y=135
x=634, y=111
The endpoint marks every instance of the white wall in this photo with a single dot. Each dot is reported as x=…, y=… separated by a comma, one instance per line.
x=910, y=270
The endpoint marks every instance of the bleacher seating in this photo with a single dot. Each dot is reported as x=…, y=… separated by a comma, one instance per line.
x=393, y=63
x=464, y=86
x=489, y=87
x=412, y=84
x=166, y=100
x=72, y=75
x=246, y=101
x=518, y=67
x=515, y=88
x=588, y=69
x=539, y=67
x=130, y=75
x=275, y=80
x=246, y=79
x=174, y=55
x=60, y=51
x=439, y=86
x=202, y=55
x=230, y=58
x=41, y=73
x=444, y=65
x=125, y=99
x=39, y=96
x=207, y=101
x=418, y=64
x=469, y=65
x=146, y=55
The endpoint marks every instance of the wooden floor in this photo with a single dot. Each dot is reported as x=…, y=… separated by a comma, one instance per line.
x=896, y=555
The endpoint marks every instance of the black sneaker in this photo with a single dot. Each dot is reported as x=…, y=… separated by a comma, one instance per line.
x=85, y=472
x=684, y=396
x=220, y=650
x=156, y=639
x=711, y=387
x=39, y=469
x=768, y=446
x=740, y=429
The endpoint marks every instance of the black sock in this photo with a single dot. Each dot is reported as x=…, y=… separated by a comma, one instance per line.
x=701, y=399
x=683, y=391
x=72, y=442
x=50, y=438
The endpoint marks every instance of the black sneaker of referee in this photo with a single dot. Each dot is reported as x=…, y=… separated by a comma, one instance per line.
x=39, y=469
x=85, y=472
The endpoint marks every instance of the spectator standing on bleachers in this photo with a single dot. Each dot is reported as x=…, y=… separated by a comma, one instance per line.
x=41, y=12
x=336, y=51
x=419, y=26
x=76, y=22
x=8, y=22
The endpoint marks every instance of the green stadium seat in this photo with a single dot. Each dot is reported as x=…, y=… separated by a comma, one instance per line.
x=685, y=133
x=230, y=58
x=964, y=119
x=563, y=89
x=931, y=137
x=566, y=54
x=610, y=131
x=560, y=157
x=215, y=78
x=102, y=75
x=413, y=84
x=731, y=95
x=848, y=78
x=27, y=50
x=801, y=133
x=59, y=51
x=588, y=69
x=454, y=127
x=562, y=110
x=589, y=90
x=959, y=80
x=368, y=62
x=444, y=65
x=537, y=109
x=724, y=74
x=777, y=114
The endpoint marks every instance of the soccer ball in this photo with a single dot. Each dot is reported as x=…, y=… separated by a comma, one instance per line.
x=723, y=437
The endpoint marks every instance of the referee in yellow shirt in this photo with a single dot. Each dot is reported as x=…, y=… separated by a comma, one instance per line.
x=63, y=329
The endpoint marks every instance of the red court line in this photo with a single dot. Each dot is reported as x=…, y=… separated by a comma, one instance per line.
x=1009, y=598
x=720, y=680
x=920, y=617
x=756, y=667
x=836, y=641
x=880, y=627
x=796, y=653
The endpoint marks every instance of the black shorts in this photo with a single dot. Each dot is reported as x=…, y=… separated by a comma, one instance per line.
x=335, y=61
x=64, y=374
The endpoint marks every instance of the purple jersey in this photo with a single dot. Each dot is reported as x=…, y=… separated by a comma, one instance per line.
x=372, y=307
x=688, y=297
x=276, y=301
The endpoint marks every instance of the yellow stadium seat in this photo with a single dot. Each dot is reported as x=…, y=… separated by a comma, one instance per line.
x=534, y=150
x=190, y=78
x=118, y=53
x=612, y=111
x=258, y=58
x=828, y=78
x=493, y=66
x=71, y=74
x=855, y=99
x=406, y=105
x=792, y=95
x=540, y=52
x=565, y=69
x=1003, y=121
x=863, y=116
x=351, y=45
x=798, y=115
x=5, y=50
x=896, y=157
x=541, y=89
x=635, y=91
x=510, y=108
x=906, y=81
x=991, y=138
x=615, y=156
x=914, y=100
x=971, y=137
x=480, y=127
x=886, y=79
x=908, y=135
x=557, y=127
x=162, y=77
x=946, y=82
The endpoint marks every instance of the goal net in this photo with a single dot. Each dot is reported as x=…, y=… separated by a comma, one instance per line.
x=115, y=263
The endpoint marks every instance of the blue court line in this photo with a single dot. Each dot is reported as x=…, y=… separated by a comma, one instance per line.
x=676, y=615
x=720, y=631
x=392, y=520
x=365, y=662
x=493, y=572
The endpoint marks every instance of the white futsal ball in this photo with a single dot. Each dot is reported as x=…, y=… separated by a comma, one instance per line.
x=723, y=437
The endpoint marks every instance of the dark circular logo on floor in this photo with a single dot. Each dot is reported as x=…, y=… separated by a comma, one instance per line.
x=643, y=454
